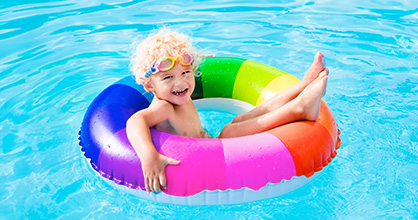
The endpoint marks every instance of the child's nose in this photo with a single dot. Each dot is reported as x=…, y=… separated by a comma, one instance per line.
x=179, y=80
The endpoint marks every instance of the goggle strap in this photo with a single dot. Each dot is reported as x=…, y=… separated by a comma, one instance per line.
x=150, y=71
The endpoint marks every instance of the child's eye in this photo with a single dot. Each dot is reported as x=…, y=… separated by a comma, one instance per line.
x=167, y=77
x=186, y=72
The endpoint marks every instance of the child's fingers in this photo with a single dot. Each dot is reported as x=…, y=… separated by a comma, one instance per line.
x=147, y=185
x=163, y=181
x=171, y=161
x=156, y=186
x=208, y=55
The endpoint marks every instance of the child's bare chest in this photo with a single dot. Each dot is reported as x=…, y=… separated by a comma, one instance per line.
x=186, y=122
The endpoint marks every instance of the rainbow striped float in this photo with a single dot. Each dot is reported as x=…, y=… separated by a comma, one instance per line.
x=212, y=171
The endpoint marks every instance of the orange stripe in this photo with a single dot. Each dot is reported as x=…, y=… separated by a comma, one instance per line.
x=310, y=143
x=327, y=120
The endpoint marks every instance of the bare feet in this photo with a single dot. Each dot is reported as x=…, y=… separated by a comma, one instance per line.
x=317, y=66
x=310, y=97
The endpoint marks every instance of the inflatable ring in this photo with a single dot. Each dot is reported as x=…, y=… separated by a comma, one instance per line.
x=212, y=171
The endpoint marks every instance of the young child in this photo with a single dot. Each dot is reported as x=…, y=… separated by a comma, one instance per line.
x=165, y=64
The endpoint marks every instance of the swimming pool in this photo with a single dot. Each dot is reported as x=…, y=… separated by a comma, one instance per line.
x=56, y=56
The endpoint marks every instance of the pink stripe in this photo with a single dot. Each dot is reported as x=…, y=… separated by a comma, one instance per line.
x=255, y=160
x=202, y=165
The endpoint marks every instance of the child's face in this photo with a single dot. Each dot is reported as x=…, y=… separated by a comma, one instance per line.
x=175, y=85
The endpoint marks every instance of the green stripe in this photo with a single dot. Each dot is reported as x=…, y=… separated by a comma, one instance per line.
x=251, y=80
x=198, y=90
x=218, y=76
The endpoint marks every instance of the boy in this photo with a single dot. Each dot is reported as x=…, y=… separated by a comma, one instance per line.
x=164, y=64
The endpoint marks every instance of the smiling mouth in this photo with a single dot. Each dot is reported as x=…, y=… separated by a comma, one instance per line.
x=180, y=92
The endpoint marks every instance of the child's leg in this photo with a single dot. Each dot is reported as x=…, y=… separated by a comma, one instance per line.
x=289, y=94
x=306, y=106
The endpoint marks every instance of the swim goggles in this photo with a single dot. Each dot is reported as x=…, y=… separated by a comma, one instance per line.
x=166, y=63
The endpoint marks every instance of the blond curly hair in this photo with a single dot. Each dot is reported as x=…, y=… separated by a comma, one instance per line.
x=156, y=46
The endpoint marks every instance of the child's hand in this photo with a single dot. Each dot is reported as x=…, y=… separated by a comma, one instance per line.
x=154, y=172
x=207, y=55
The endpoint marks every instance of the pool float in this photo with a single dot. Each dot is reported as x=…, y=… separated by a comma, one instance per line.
x=212, y=171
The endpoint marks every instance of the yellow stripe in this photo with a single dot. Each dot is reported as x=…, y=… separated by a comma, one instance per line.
x=276, y=86
x=251, y=80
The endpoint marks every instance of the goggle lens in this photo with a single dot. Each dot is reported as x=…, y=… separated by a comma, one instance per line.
x=186, y=59
x=166, y=64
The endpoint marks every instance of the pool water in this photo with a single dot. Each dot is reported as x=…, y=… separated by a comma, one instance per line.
x=214, y=120
x=56, y=56
x=215, y=113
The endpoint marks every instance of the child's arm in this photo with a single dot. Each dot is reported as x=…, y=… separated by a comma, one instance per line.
x=137, y=128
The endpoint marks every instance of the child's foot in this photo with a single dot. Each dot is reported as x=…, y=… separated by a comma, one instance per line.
x=310, y=97
x=317, y=66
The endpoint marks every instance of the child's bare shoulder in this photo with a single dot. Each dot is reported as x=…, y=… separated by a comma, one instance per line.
x=159, y=106
x=157, y=111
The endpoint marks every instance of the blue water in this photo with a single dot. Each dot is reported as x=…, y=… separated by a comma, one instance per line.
x=214, y=120
x=56, y=56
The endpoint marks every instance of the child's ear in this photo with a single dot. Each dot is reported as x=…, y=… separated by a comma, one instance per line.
x=147, y=85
